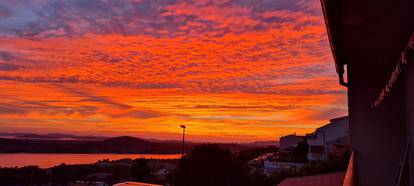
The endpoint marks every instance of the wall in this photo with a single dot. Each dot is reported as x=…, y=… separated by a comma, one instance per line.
x=377, y=134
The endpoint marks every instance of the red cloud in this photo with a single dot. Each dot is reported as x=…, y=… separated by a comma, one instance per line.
x=247, y=69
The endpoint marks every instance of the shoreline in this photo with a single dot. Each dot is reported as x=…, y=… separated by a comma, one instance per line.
x=48, y=160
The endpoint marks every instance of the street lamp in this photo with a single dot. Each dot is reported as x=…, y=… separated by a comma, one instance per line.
x=182, y=147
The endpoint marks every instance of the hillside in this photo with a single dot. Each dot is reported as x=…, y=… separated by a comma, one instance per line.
x=66, y=143
x=120, y=145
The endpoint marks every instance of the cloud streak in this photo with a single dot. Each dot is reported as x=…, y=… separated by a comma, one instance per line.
x=143, y=67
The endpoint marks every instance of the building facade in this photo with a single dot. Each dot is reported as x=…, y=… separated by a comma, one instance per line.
x=328, y=139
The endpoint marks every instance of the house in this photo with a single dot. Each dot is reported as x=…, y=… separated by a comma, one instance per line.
x=289, y=142
x=329, y=139
x=372, y=45
x=260, y=159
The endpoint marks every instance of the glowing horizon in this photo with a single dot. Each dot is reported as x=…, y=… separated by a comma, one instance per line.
x=229, y=70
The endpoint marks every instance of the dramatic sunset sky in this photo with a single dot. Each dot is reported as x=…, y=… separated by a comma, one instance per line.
x=231, y=70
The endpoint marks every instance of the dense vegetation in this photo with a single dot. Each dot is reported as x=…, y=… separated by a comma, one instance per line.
x=103, y=171
x=208, y=165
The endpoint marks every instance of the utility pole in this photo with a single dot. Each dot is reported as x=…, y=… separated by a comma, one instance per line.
x=182, y=147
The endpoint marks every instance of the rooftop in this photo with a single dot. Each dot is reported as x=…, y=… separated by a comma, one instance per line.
x=330, y=179
x=135, y=184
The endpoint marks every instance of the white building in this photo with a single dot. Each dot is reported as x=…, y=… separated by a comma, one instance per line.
x=330, y=138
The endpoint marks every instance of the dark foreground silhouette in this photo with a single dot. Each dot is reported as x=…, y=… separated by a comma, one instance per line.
x=204, y=165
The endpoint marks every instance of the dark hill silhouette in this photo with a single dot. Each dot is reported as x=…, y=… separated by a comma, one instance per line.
x=55, y=143
x=122, y=145
x=127, y=144
x=126, y=140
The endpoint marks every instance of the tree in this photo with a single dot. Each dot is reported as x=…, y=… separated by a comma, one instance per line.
x=140, y=171
x=300, y=153
x=208, y=165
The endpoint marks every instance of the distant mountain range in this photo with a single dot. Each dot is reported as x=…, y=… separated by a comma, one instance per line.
x=55, y=136
x=118, y=145
x=67, y=143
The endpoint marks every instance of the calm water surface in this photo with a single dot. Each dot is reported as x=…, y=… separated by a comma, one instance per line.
x=50, y=160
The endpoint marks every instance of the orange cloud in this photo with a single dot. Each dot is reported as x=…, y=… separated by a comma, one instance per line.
x=230, y=71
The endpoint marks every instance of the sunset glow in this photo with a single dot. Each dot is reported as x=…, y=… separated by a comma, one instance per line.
x=231, y=71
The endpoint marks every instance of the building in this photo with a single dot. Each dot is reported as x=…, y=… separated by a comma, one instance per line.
x=372, y=45
x=270, y=167
x=339, y=147
x=260, y=159
x=329, y=139
x=290, y=141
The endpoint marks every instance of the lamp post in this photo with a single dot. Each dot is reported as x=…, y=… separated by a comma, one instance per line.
x=182, y=147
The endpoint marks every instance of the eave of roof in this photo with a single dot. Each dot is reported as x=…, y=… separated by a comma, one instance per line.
x=334, y=26
x=367, y=35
